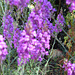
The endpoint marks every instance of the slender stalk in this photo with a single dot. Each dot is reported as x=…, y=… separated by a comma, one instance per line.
x=63, y=47
x=13, y=60
x=2, y=68
x=2, y=7
x=9, y=60
x=50, y=56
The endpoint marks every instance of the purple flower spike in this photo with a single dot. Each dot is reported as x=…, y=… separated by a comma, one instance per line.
x=8, y=28
x=3, y=49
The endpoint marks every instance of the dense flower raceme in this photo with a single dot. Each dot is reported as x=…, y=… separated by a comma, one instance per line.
x=16, y=37
x=19, y=3
x=8, y=27
x=59, y=23
x=69, y=67
x=38, y=30
x=72, y=2
x=35, y=38
x=32, y=45
x=3, y=49
x=32, y=41
x=40, y=15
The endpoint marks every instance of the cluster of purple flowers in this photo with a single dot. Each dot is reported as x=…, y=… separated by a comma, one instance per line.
x=32, y=45
x=19, y=3
x=35, y=38
x=38, y=30
x=40, y=15
x=16, y=37
x=3, y=49
x=8, y=27
x=72, y=2
x=59, y=23
x=69, y=67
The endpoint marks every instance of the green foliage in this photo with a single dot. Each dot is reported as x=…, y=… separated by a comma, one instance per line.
x=9, y=66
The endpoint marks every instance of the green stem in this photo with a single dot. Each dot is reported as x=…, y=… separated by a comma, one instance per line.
x=2, y=68
x=9, y=59
x=63, y=47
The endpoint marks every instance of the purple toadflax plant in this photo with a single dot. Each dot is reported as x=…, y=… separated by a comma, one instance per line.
x=36, y=36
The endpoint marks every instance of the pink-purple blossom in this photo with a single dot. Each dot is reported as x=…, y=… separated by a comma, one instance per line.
x=16, y=37
x=3, y=49
x=72, y=6
x=69, y=67
x=31, y=46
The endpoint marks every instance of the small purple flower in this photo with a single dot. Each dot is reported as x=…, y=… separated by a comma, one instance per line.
x=59, y=23
x=72, y=2
x=69, y=26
